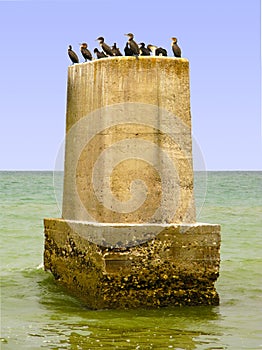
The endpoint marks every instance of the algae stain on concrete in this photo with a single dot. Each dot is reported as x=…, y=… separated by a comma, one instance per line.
x=131, y=116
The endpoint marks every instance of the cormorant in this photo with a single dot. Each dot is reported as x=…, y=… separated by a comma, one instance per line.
x=152, y=48
x=132, y=44
x=99, y=54
x=144, y=51
x=106, y=48
x=85, y=52
x=161, y=52
x=176, y=49
x=116, y=50
x=73, y=56
x=157, y=51
x=128, y=51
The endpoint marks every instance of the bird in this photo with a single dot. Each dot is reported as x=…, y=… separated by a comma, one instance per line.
x=72, y=55
x=152, y=48
x=106, y=48
x=132, y=44
x=85, y=52
x=161, y=52
x=116, y=50
x=127, y=50
x=99, y=54
x=144, y=51
x=157, y=51
x=175, y=48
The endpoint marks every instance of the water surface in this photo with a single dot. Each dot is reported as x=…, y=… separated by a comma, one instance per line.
x=37, y=313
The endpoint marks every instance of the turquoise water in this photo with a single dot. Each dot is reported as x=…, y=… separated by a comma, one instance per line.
x=36, y=313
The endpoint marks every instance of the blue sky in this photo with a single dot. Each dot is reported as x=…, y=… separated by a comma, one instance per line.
x=221, y=39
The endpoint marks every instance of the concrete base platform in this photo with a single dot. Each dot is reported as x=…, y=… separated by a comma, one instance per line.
x=134, y=265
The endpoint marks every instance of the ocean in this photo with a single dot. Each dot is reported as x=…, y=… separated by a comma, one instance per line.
x=37, y=313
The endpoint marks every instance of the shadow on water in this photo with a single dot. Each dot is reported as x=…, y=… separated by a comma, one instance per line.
x=72, y=326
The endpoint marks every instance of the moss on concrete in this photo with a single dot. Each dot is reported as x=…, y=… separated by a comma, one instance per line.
x=177, y=267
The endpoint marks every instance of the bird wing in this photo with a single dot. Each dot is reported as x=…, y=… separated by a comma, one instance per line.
x=73, y=56
x=176, y=50
x=88, y=54
x=107, y=49
x=134, y=47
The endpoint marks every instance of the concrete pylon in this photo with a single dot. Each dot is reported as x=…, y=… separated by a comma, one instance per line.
x=128, y=235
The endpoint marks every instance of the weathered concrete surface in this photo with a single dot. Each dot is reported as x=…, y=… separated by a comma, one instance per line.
x=177, y=267
x=160, y=81
x=128, y=237
x=128, y=119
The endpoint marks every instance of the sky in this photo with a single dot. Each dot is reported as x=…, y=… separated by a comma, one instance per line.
x=221, y=39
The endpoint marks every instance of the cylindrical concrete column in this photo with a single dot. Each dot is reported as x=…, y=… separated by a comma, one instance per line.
x=128, y=152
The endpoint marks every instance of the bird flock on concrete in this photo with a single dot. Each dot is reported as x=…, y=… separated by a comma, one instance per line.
x=131, y=49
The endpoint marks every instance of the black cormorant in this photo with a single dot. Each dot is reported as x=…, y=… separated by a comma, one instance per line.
x=175, y=48
x=132, y=44
x=161, y=52
x=128, y=51
x=116, y=50
x=157, y=51
x=152, y=48
x=106, y=48
x=99, y=54
x=73, y=56
x=144, y=51
x=85, y=52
